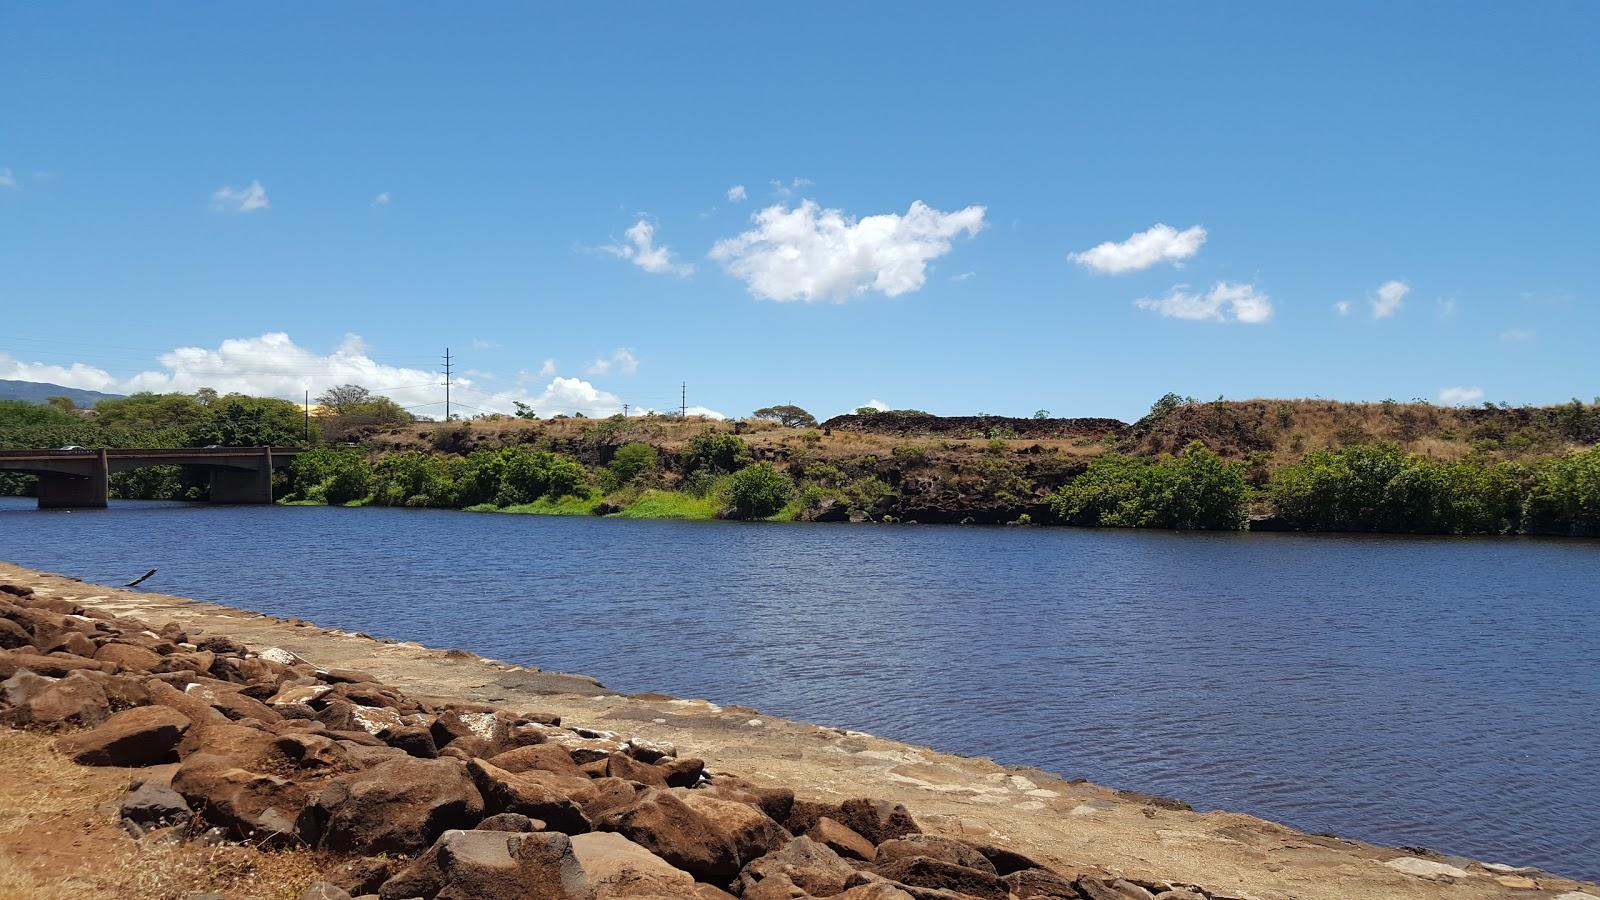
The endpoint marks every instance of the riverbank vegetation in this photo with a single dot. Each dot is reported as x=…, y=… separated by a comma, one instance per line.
x=1298, y=464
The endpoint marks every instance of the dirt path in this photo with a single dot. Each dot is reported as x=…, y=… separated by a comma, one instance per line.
x=1069, y=824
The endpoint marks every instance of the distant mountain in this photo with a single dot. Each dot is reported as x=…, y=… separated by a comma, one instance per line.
x=40, y=391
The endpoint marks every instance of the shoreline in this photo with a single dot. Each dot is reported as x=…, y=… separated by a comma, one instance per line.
x=1070, y=824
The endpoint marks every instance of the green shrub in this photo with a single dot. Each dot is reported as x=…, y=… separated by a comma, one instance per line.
x=1564, y=495
x=759, y=491
x=632, y=460
x=1382, y=488
x=717, y=453
x=331, y=475
x=1194, y=490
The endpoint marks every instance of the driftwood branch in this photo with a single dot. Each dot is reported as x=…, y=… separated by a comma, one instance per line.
x=136, y=581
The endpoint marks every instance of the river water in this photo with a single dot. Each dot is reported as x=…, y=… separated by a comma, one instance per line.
x=1442, y=692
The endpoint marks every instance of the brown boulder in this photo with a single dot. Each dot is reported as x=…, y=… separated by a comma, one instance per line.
x=666, y=826
x=775, y=802
x=198, y=711
x=621, y=765
x=842, y=840
x=753, y=832
x=617, y=867
x=555, y=799
x=876, y=820
x=941, y=848
x=13, y=635
x=56, y=666
x=922, y=871
x=544, y=757
x=413, y=739
x=398, y=806
x=143, y=736
x=686, y=773
x=252, y=806
x=1112, y=889
x=807, y=865
x=72, y=700
x=493, y=865
x=1041, y=883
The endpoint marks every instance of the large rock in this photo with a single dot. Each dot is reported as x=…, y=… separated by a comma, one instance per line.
x=876, y=820
x=75, y=699
x=753, y=832
x=666, y=826
x=198, y=711
x=143, y=736
x=925, y=872
x=1042, y=883
x=806, y=864
x=617, y=867
x=13, y=635
x=843, y=841
x=56, y=666
x=493, y=865
x=398, y=806
x=545, y=757
x=153, y=803
x=128, y=657
x=775, y=802
x=254, y=806
x=941, y=848
x=555, y=799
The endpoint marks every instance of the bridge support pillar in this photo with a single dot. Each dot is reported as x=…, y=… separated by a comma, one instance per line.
x=244, y=485
x=88, y=491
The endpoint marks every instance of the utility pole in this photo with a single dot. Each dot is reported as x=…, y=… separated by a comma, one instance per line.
x=447, y=384
x=683, y=401
x=308, y=418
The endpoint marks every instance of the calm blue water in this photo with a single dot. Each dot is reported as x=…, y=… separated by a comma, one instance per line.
x=1435, y=692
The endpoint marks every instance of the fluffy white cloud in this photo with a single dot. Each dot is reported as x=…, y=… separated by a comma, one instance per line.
x=640, y=249
x=7, y=180
x=1225, y=302
x=382, y=199
x=272, y=365
x=1160, y=243
x=621, y=362
x=813, y=254
x=736, y=194
x=1460, y=395
x=1388, y=299
x=1342, y=307
x=241, y=200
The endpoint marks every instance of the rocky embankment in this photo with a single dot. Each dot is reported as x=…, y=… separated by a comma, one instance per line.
x=409, y=794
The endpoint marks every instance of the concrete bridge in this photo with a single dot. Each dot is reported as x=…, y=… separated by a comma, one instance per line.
x=79, y=478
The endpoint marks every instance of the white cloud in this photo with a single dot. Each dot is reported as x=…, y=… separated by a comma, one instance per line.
x=1388, y=299
x=621, y=362
x=1460, y=396
x=878, y=405
x=736, y=194
x=813, y=254
x=785, y=191
x=1342, y=307
x=241, y=200
x=273, y=365
x=1161, y=243
x=964, y=276
x=382, y=199
x=640, y=249
x=7, y=179
x=1518, y=335
x=1225, y=302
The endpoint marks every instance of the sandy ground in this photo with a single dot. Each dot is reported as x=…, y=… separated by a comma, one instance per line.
x=1068, y=824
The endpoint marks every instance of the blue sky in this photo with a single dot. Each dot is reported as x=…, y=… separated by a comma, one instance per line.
x=308, y=194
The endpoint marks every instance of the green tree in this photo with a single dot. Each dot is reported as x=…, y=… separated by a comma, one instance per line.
x=524, y=411
x=1041, y=414
x=1194, y=490
x=332, y=475
x=1564, y=495
x=759, y=491
x=237, y=420
x=867, y=410
x=716, y=453
x=632, y=460
x=788, y=415
x=145, y=410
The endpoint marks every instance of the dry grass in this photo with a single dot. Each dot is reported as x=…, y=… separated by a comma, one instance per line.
x=59, y=840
